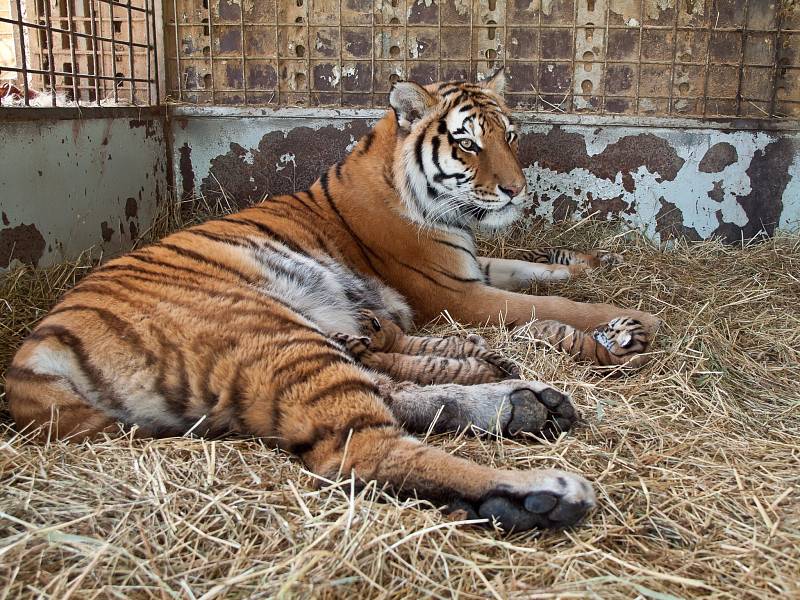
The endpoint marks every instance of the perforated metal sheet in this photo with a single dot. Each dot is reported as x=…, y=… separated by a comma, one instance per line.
x=721, y=58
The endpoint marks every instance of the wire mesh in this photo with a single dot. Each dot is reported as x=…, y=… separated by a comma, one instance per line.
x=697, y=58
x=79, y=51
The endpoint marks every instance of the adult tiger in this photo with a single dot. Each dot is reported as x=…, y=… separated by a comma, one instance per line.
x=229, y=323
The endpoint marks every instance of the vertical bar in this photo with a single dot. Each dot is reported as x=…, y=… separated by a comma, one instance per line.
x=211, y=55
x=22, y=52
x=244, y=52
x=278, y=54
x=147, y=52
x=341, y=57
x=741, y=59
x=639, y=60
x=50, y=59
x=93, y=22
x=708, y=58
x=372, y=54
x=471, y=33
x=153, y=20
x=179, y=72
x=130, y=52
x=114, y=53
x=536, y=104
x=575, y=82
x=309, y=77
x=775, y=66
x=605, y=54
x=75, y=68
x=405, y=37
x=674, y=59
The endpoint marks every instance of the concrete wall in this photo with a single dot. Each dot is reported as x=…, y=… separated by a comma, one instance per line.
x=70, y=181
x=667, y=177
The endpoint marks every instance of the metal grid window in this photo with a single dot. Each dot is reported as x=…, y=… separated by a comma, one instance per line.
x=88, y=52
x=699, y=58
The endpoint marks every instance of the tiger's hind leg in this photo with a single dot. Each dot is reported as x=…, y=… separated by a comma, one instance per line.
x=46, y=406
x=506, y=408
x=620, y=342
x=339, y=424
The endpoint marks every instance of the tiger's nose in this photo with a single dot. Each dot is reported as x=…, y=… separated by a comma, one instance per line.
x=511, y=190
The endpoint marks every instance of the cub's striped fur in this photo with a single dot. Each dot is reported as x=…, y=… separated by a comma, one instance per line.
x=619, y=342
x=229, y=324
x=386, y=348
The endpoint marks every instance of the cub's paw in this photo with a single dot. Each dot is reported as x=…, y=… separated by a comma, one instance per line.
x=368, y=322
x=625, y=338
x=520, y=501
x=507, y=368
x=355, y=346
x=538, y=409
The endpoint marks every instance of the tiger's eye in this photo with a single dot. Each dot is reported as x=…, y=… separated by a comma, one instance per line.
x=467, y=145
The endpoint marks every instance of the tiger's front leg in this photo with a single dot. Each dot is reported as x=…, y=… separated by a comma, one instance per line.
x=557, y=264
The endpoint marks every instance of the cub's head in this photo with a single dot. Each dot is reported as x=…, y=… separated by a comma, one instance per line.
x=458, y=154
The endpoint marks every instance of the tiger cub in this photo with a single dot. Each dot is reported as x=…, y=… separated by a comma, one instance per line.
x=385, y=347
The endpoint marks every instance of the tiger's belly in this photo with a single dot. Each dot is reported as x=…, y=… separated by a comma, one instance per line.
x=328, y=293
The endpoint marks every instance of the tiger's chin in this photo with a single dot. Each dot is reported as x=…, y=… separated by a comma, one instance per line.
x=494, y=220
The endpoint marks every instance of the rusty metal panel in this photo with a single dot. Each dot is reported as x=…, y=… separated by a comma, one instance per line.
x=668, y=177
x=70, y=184
x=690, y=58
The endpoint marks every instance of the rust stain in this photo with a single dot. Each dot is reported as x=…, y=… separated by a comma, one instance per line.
x=134, y=230
x=769, y=176
x=5, y=219
x=562, y=152
x=282, y=163
x=23, y=243
x=669, y=223
x=131, y=208
x=106, y=231
x=150, y=129
x=187, y=173
x=718, y=157
x=718, y=192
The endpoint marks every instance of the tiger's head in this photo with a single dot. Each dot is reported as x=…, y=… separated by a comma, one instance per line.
x=458, y=154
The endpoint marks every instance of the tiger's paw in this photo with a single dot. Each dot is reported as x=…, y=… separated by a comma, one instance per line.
x=543, y=499
x=538, y=409
x=356, y=346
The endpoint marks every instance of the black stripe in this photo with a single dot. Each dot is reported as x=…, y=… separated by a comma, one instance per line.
x=222, y=239
x=426, y=276
x=370, y=137
x=26, y=374
x=365, y=250
x=121, y=328
x=75, y=344
x=455, y=277
x=337, y=389
x=191, y=254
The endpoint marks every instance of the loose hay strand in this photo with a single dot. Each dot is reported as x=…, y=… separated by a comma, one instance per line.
x=695, y=460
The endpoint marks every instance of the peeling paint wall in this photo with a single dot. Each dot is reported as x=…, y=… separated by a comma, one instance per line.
x=668, y=178
x=68, y=184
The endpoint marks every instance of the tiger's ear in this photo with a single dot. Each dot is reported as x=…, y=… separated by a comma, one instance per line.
x=497, y=82
x=410, y=102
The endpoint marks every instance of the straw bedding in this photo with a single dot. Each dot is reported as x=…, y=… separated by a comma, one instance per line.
x=696, y=461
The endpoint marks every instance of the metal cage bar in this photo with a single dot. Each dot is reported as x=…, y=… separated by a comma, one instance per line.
x=64, y=54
